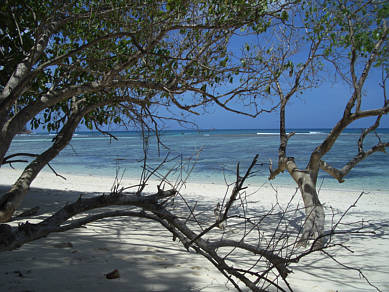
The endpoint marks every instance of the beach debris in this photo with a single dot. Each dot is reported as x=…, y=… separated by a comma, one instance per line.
x=113, y=275
x=63, y=245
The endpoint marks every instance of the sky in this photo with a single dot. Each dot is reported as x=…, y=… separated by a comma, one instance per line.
x=320, y=107
x=317, y=108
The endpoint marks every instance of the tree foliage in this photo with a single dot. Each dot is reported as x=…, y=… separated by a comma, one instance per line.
x=100, y=63
x=98, y=51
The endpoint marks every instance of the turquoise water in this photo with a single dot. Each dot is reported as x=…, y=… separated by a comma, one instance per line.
x=215, y=153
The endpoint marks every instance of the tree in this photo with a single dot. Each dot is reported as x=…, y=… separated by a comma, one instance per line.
x=101, y=62
x=346, y=37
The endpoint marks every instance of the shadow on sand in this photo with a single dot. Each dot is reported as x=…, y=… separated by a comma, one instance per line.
x=77, y=260
x=148, y=259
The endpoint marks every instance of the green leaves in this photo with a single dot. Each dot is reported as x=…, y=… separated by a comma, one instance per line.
x=223, y=62
x=383, y=12
x=131, y=49
x=284, y=15
x=16, y=33
x=347, y=25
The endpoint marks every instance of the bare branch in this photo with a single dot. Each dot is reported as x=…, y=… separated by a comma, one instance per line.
x=264, y=255
x=104, y=132
x=282, y=159
x=53, y=170
x=7, y=160
x=340, y=173
x=348, y=267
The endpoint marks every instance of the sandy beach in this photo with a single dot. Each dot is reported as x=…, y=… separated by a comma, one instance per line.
x=148, y=259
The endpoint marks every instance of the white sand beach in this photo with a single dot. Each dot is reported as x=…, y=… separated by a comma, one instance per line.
x=148, y=260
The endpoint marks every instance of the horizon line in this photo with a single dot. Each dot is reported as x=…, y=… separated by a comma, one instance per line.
x=214, y=129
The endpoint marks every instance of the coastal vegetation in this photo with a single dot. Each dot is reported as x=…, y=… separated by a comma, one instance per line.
x=100, y=63
x=138, y=63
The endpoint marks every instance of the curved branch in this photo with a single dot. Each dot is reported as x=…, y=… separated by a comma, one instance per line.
x=282, y=159
x=340, y=173
x=348, y=117
x=77, y=223
x=278, y=261
x=7, y=160
x=28, y=232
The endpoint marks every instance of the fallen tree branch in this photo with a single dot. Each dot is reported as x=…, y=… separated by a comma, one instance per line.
x=28, y=232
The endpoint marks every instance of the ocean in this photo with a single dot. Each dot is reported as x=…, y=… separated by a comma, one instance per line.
x=210, y=156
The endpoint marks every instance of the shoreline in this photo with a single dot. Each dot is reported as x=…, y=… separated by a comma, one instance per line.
x=213, y=157
x=148, y=259
x=8, y=176
x=264, y=194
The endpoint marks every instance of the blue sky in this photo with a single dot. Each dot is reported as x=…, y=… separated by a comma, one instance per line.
x=317, y=108
x=320, y=107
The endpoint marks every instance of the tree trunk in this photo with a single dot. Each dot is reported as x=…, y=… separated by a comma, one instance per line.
x=314, y=222
x=11, y=200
